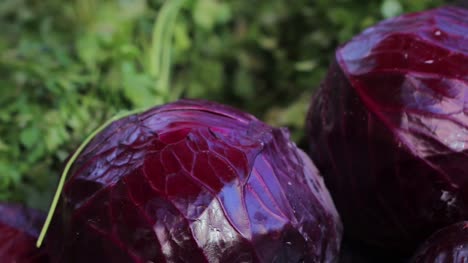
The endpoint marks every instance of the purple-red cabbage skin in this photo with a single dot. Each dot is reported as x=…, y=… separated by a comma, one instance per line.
x=388, y=129
x=194, y=181
x=447, y=245
x=19, y=229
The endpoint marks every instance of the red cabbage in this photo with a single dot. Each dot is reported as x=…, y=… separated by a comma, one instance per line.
x=447, y=245
x=388, y=129
x=19, y=228
x=194, y=181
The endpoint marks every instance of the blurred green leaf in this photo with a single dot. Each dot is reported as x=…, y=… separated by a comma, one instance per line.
x=30, y=136
x=208, y=13
x=137, y=86
x=3, y=146
x=391, y=8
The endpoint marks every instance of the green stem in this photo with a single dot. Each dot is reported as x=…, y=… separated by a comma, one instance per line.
x=160, y=52
x=155, y=50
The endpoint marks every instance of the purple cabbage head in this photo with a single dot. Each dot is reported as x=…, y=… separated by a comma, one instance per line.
x=19, y=229
x=447, y=245
x=194, y=181
x=388, y=129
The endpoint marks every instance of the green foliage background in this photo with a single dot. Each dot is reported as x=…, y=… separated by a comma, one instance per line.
x=67, y=66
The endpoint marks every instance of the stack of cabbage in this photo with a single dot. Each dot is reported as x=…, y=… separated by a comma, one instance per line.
x=196, y=181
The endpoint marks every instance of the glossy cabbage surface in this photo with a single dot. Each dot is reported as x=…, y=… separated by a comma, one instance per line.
x=448, y=245
x=19, y=228
x=194, y=181
x=388, y=128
